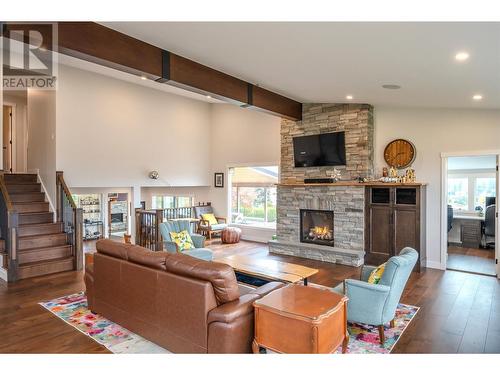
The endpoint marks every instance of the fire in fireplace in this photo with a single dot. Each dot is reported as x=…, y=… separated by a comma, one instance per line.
x=316, y=226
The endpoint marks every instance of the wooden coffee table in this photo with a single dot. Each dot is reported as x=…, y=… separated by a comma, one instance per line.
x=268, y=269
x=301, y=319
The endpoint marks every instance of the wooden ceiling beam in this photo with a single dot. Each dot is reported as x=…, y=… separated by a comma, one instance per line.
x=99, y=44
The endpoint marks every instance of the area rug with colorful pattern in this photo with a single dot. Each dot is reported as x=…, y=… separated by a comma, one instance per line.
x=73, y=310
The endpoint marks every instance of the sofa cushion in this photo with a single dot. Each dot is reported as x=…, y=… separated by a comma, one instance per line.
x=148, y=258
x=210, y=218
x=376, y=274
x=113, y=248
x=221, y=276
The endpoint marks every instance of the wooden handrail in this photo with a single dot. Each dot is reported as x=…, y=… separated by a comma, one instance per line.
x=60, y=180
x=9, y=223
x=5, y=194
x=72, y=220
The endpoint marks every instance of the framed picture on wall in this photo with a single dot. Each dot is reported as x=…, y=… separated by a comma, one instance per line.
x=219, y=180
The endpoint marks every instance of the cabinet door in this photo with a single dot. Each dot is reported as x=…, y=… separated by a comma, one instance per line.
x=380, y=237
x=405, y=229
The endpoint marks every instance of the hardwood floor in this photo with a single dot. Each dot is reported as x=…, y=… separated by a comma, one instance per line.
x=471, y=260
x=459, y=312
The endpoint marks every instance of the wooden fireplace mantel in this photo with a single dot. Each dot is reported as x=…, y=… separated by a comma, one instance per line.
x=351, y=183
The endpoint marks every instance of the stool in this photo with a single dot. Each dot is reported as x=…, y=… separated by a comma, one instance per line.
x=230, y=235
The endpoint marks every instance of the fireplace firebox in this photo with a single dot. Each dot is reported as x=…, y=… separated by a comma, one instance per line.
x=316, y=226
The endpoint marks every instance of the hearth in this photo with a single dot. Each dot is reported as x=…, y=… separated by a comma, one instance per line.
x=316, y=226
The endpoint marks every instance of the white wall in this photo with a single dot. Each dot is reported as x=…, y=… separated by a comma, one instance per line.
x=112, y=133
x=42, y=139
x=241, y=137
x=434, y=131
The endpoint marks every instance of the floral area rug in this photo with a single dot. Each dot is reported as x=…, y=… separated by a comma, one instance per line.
x=73, y=310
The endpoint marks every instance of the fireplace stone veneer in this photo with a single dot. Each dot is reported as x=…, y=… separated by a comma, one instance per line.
x=347, y=204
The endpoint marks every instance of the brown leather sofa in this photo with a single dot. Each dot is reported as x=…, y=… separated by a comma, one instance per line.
x=181, y=303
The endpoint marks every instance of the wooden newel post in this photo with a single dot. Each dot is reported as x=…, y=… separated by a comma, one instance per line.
x=158, y=238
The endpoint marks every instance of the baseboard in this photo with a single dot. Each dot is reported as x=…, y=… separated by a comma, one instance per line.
x=254, y=238
x=51, y=204
x=434, y=265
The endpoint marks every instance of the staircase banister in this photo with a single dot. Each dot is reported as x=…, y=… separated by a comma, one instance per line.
x=5, y=194
x=60, y=180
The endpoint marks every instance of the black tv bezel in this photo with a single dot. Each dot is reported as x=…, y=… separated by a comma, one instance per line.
x=325, y=165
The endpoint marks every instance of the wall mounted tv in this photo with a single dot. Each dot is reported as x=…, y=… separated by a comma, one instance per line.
x=319, y=150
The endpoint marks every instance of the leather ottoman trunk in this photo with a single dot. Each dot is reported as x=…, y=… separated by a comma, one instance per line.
x=230, y=235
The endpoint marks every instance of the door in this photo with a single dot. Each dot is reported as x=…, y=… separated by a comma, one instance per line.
x=7, y=138
x=497, y=231
x=380, y=237
x=405, y=229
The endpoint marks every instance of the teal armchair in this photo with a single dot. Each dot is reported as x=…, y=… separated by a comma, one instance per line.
x=376, y=304
x=199, y=251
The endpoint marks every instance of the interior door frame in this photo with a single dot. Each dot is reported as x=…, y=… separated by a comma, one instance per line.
x=444, y=203
x=13, y=145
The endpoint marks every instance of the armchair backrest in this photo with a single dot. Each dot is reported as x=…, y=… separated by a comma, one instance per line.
x=201, y=210
x=174, y=226
x=489, y=220
x=396, y=274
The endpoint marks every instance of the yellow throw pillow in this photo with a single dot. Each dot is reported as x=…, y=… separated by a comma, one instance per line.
x=182, y=239
x=210, y=218
x=376, y=274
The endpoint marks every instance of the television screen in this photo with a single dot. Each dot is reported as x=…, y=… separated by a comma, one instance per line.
x=319, y=150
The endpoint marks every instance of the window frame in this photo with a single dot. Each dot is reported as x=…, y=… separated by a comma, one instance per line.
x=175, y=198
x=472, y=178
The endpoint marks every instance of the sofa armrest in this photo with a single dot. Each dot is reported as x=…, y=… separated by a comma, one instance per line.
x=205, y=224
x=365, y=272
x=89, y=285
x=231, y=311
x=198, y=240
x=221, y=219
x=358, y=285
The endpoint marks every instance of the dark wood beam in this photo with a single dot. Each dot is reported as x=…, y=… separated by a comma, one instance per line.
x=99, y=44
x=276, y=104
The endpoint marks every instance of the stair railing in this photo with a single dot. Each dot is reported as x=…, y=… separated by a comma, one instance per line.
x=147, y=229
x=72, y=219
x=9, y=223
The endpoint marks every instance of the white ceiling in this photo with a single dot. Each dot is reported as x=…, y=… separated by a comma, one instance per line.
x=324, y=62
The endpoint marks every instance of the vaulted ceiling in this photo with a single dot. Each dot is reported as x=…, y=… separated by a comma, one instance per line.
x=325, y=62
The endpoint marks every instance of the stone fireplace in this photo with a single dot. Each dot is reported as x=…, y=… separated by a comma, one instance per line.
x=338, y=208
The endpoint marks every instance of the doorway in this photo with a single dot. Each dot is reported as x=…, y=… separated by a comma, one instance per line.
x=7, y=138
x=471, y=190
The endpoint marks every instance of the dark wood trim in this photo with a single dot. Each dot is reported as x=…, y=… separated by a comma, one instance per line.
x=99, y=44
x=276, y=104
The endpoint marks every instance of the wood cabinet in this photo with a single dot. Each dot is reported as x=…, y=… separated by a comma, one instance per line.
x=394, y=219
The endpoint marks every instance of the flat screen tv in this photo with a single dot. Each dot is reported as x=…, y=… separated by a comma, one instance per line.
x=319, y=150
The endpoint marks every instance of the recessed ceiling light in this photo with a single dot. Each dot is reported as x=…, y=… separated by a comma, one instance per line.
x=391, y=87
x=461, y=56
x=209, y=97
x=477, y=97
x=143, y=78
x=349, y=97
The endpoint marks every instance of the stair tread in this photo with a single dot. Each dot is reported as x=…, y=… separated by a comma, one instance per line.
x=35, y=213
x=33, y=236
x=39, y=262
x=39, y=224
x=42, y=248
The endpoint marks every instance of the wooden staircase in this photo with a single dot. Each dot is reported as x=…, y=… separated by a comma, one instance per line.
x=42, y=245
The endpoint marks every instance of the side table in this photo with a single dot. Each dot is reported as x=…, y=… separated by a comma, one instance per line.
x=301, y=319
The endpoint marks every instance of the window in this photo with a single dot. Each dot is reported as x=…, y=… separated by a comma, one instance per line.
x=458, y=193
x=168, y=201
x=253, y=196
x=467, y=192
x=485, y=187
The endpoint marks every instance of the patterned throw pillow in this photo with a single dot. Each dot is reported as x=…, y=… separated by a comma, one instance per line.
x=210, y=218
x=182, y=239
x=376, y=274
